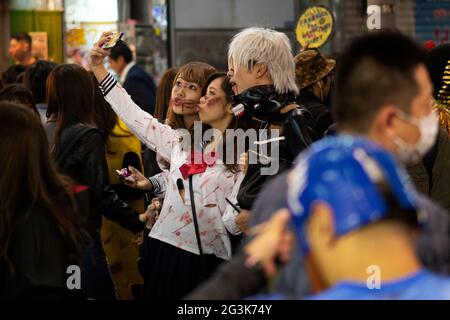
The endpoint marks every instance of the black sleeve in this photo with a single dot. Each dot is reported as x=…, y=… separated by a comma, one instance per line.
x=142, y=93
x=233, y=281
x=95, y=173
x=299, y=131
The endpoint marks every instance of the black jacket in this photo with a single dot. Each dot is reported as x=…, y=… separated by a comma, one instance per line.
x=297, y=127
x=141, y=87
x=86, y=164
x=39, y=257
x=320, y=112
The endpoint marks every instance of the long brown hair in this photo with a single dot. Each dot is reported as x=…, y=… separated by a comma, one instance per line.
x=30, y=179
x=196, y=72
x=164, y=93
x=70, y=97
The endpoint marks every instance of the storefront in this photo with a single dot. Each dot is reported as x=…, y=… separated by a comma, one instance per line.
x=64, y=30
x=171, y=32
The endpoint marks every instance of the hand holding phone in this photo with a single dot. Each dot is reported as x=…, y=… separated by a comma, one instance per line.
x=115, y=38
x=125, y=174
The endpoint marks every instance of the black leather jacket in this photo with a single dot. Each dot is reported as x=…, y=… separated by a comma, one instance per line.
x=86, y=164
x=297, y=127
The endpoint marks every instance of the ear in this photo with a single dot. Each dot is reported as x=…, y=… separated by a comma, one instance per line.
x=320, y=228
x=261, y=70
x=384, y=121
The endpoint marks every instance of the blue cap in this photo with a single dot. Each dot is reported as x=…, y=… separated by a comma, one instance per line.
x=344, y=171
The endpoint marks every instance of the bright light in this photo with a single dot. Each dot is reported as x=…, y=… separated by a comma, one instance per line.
x=91, y=11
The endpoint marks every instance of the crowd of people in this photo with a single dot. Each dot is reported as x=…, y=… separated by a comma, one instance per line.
x=284, y=177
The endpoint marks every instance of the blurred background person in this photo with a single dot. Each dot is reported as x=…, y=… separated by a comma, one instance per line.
x=20, y=49
x=314, y=76
x=431, y=175
x=35, y=79
x=138, y=83
x=40, y=230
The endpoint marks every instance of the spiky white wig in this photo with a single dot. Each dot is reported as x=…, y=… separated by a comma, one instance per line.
x=269, y=47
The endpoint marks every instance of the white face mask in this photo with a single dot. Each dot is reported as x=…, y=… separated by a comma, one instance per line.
x=428, y=127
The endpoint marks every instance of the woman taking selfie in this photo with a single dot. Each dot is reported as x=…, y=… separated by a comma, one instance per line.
x=190, y=237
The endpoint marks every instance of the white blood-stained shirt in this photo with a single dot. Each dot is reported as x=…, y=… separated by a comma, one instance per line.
x=175, y=223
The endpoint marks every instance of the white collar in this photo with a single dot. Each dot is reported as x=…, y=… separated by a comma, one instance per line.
x=124, y=74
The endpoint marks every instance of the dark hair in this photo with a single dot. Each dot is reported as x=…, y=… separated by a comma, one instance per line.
x=35, y=78
x=13, y=74
x=436, y=61
x=164, y=93
x=18, y=93
x=376, y=70
x=22, y=36
x=30, y=179
x=70, y=97
x=121, y=50
x=196, y=72
x=104, y=117
x=225, y=86
x=397, y=212
x=243, y=123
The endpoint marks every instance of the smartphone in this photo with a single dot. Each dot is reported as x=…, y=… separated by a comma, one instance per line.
x=125, y=174
x=113, y=42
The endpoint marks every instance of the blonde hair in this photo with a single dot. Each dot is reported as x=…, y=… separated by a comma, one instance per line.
x=269, y=47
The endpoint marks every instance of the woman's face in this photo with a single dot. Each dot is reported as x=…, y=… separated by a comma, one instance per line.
x=185, y=97
x=213, y=105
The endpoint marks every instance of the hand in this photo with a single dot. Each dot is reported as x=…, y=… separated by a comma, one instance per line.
x=138, y=238
x=272, y=243
x=243, y=162
x=140, y=181
x=97, y=54
x=242, y=220
x=151, y=214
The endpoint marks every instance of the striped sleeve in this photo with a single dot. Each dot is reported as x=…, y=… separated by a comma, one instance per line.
x=158, y=137
x=107, y=84
x=159, y=184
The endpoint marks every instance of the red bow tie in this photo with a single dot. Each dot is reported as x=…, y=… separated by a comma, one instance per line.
x=197, y=163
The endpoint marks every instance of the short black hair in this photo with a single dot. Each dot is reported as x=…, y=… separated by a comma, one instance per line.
x=121, y=50
x=22, y=36
x=35, y=78
x=375, y=70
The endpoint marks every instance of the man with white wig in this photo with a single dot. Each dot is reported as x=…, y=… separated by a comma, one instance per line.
x=262, y=72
